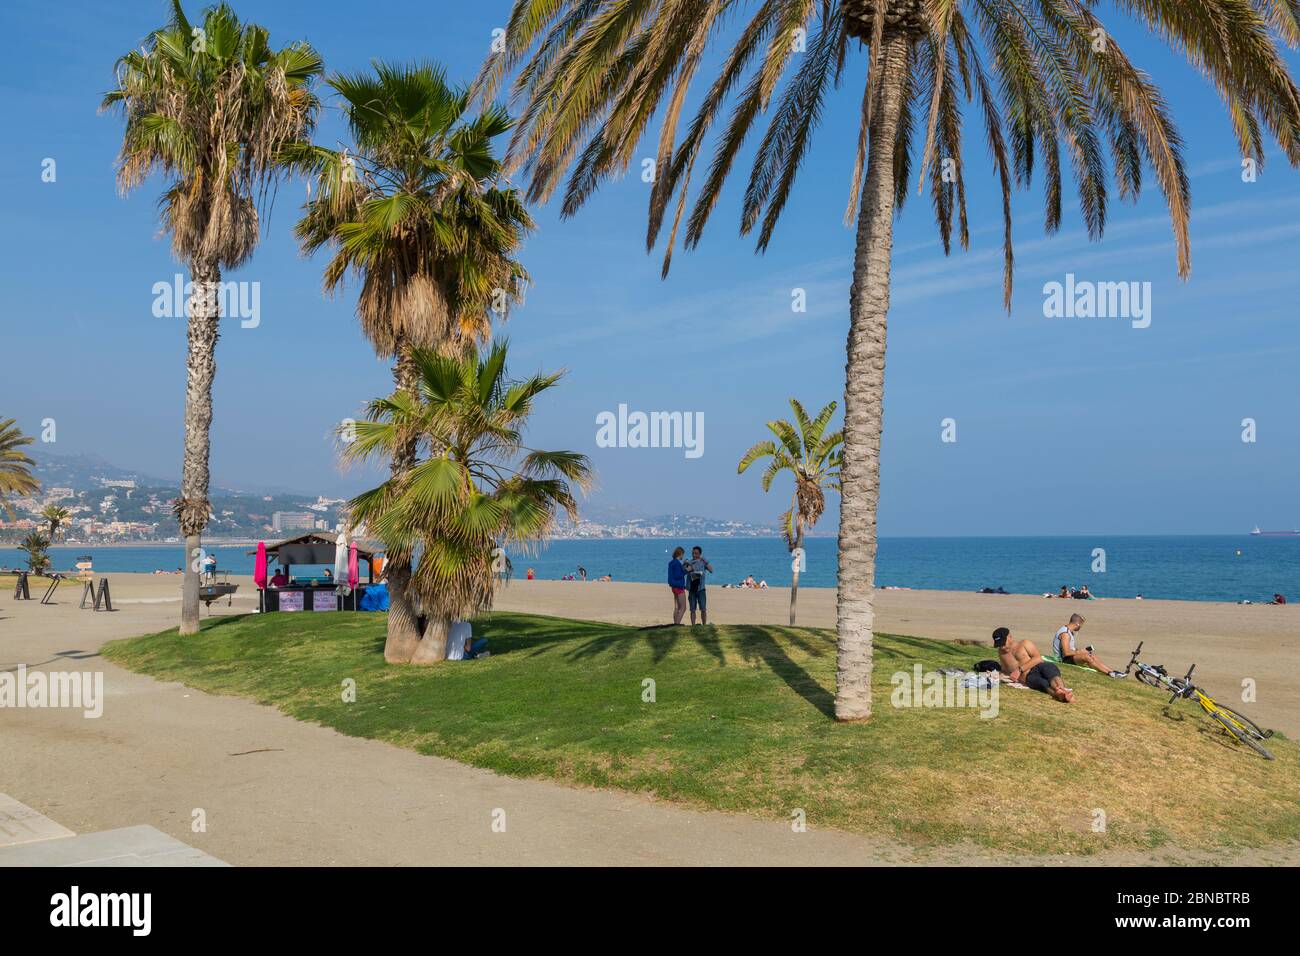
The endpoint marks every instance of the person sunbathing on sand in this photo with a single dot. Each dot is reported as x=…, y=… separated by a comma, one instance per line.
x=1021, y=661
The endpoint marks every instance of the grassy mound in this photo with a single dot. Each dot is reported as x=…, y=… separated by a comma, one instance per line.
x=741, y=722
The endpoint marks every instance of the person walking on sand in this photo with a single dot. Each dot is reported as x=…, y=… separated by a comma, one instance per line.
x=696, y=568
x=1065, y=646
x=677, y=584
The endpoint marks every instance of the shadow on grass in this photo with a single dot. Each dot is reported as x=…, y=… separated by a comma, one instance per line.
x=754, y=643
x=583, y=641
x=759, y=642
x=212, y=623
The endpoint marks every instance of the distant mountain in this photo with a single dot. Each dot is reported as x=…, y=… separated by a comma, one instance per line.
x=109, y=504
x=86, y=471
x=99, y=495
x=661, y=526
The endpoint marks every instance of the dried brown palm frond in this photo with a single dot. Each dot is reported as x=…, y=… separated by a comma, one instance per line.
x=417, y=208
x=212, y=106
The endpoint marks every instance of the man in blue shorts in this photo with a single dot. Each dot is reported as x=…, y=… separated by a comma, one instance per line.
x=696, y=568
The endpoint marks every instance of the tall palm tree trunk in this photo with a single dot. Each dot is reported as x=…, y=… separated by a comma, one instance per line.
x=864, y=393
x=403, y=629
x=433, y=645
x=794, y=563
x=201, y=369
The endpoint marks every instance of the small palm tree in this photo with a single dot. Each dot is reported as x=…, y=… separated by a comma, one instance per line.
x=15, y=467
x=474, y=488
x=415, y=209
x=57, y=517
x=813, y=458
x=210, y=106
x=35, y=545
x=1040, y=76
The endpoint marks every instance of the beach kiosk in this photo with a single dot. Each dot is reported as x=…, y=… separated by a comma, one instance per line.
x=309, y=589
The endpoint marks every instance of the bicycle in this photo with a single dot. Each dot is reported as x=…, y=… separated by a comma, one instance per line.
x=1239, y=726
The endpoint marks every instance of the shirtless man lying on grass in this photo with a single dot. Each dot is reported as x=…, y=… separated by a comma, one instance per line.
x=1021, y=661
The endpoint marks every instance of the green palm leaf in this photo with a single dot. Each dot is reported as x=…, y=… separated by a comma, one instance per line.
x=479, y=485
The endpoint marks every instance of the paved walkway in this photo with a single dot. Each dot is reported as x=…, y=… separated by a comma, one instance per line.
x=28, y=838
x=276, y=791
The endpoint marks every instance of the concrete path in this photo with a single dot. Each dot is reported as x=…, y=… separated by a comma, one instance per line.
x=271, y=790
x=275, y=791
x=28, y=838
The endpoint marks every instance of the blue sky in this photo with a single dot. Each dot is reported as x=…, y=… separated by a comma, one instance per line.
x=1063, y=425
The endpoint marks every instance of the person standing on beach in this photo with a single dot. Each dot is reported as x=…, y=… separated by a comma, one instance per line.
x=1065, y=646
x=696, y=568
x=677, y=584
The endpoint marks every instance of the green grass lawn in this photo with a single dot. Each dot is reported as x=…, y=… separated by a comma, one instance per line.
x=741, y=721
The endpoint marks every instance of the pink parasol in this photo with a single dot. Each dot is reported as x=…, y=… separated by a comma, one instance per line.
x=354, y=573
x=259, y=567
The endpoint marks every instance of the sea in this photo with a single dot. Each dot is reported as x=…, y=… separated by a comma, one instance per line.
x=1193, y=568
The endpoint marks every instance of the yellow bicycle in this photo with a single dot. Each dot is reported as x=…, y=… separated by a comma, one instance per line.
x=1238, y=725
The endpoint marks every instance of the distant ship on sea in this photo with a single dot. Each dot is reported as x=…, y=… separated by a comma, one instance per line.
x=1275, y=534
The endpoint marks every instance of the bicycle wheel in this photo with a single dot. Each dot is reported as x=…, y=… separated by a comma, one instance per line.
x=1243, y=728
x=1251, y=727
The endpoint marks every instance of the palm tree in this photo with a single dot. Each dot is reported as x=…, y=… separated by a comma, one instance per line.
x=35, y=545
x=1039, y=73
x=210, y=107
x=475, y=486
x=57, y=517
x=814, y=459
x=413, y=208
x=15, y=467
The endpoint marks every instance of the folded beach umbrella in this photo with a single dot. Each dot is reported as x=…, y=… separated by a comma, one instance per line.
x=259, y=575
x=354, y=573
x=341, y=559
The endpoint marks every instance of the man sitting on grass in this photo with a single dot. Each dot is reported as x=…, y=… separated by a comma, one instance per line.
x=1065, y=647
x=1021, y=661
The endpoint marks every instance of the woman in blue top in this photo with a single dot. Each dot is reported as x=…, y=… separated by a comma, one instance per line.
x=677, y=583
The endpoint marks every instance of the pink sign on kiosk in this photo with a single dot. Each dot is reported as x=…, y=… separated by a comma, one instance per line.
x=290, y=600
